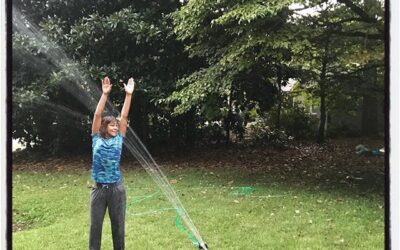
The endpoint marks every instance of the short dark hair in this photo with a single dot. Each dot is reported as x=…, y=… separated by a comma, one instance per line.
x=104, y=123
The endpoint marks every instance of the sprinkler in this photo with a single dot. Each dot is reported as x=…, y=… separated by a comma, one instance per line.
x=203, y=246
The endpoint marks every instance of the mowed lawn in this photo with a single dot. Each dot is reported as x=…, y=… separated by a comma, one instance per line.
x=232, y=207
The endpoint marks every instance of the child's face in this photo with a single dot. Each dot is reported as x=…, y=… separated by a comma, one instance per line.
x=112, y=129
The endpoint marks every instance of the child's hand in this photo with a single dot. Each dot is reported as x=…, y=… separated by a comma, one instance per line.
x=106, y=85
x=129, y=88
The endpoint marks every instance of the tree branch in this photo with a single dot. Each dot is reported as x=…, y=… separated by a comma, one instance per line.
x=359, y=11
x=375, y=36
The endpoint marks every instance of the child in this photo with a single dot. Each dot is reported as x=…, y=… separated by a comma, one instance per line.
x=108, y=192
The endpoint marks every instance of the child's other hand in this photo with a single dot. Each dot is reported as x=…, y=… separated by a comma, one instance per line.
x=130, y=87
x=106, y=85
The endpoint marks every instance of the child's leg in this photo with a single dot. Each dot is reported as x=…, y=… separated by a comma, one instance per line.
x=98, y=204
x=116, y=210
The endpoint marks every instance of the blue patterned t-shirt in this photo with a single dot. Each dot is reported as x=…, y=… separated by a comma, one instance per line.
x=106, y=158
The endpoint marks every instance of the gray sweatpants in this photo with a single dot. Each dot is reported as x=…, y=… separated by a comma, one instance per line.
x=112, y=197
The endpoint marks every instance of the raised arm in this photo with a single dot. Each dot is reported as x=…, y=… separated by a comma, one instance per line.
x=106, y=87
x=129, y=88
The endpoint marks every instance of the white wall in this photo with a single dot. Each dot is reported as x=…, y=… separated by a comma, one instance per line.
x=394, y=124
x=3, y=130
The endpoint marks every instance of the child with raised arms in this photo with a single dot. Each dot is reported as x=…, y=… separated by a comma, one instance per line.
x=108, y=192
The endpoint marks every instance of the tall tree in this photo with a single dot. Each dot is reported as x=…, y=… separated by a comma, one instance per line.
x=242, y=43
x=337, y=56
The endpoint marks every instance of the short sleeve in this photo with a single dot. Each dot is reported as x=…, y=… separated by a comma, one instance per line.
x=95, y=137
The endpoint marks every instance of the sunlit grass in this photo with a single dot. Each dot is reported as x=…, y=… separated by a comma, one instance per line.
x=51, y=211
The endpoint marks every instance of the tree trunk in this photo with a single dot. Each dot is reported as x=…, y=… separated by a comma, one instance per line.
x=278, y=117
x=322, y=88
x=173, y=136
x=228, y=119
x=190, y=128
x=228, y=127
x=321, y=129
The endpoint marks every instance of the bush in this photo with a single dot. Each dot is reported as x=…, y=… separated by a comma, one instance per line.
x=212, y=132
x=294, y=120
x=262, y=134
x=298, y=123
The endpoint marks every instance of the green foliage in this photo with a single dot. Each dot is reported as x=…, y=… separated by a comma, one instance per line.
x=211, y=83
x=250, y=11
x=120, y=40
x=242, y=43
x=297, y=122
x=261, y=133
x=345, y=41
x=37, y=85
x=203, y=58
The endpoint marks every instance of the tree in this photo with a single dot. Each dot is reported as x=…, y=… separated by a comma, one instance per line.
x=337, y=55
x=244, y=45
x=129, y=38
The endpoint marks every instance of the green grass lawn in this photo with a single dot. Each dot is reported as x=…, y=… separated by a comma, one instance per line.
x=51, y=211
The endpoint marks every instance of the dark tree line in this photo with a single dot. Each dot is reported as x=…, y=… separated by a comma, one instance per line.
x=204, y=69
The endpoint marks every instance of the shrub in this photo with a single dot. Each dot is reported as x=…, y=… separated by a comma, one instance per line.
x=262, y=134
